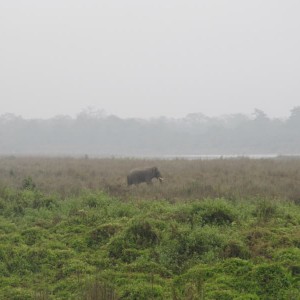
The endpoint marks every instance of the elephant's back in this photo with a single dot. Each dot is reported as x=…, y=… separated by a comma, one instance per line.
x=138, y=171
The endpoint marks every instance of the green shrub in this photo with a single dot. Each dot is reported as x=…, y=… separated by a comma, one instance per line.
x=99, y=290
x=28, y=184
x=236, y=266
x=18, y=210
x=3, y=268
x=271, y=279
x=247, y=297
x=177, y=249
x=259, y=242
x=215, y=212
x=183, y=214
x=49, y=202
x=17, y=262
x=173, y=251
x=141, y=264
x=295, y=269
x=142, y=291
x=290, y=294
x=191, y=284
x=290, y=258
x=142, y=233
x=3, y=206
x=7, y=226
x=235, y=248
x=120, y=248
x=129, y=255
x=265, y=210
x=102, y=234
x=32, y=235
x=39, y=258
x=221, y=293
x=16, y=293
x=91, y=201
x=239, y=274
x=202, y=240
x=76, y=267
x=123, y=210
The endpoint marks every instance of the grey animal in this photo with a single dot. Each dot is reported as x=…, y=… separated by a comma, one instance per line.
x=137, y=176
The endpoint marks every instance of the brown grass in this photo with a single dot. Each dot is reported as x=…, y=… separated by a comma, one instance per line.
x=184, y=179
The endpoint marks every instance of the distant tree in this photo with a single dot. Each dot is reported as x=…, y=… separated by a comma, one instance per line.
x=292, y=132
x=91, y=113
x=260, y=115
x=94, y=133
x=295, y=115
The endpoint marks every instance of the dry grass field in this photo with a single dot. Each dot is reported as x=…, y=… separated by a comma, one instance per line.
x=184, y=179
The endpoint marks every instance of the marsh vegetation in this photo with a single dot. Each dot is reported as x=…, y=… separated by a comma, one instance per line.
x=215, y=229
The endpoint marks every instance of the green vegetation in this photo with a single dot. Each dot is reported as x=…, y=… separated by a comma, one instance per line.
x=115, y=244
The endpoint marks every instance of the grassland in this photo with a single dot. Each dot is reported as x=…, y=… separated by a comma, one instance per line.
x=218, y=229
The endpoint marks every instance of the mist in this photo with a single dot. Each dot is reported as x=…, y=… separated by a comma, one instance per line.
x=142, y=60
x=95, y=134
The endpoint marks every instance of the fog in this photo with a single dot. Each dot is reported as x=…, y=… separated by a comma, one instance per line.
x=148, y=59
x=98, y=135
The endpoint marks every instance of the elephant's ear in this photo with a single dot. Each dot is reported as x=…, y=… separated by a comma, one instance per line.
x=154, y=171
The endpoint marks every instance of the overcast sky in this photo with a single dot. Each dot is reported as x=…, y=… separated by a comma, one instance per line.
x=149, y=58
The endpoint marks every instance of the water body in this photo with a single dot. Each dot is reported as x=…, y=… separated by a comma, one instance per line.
x=229, y=156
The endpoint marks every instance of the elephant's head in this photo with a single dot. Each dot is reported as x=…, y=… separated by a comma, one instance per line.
x=156, y=174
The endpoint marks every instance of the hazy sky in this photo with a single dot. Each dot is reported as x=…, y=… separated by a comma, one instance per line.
x=149, y=58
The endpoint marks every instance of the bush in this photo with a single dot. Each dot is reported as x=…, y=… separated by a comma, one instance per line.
x=2, y=206
x=173, y=249
x=102, y=234
x=203, y=240
x=142, y=233
x=32, y=235
x=28, y=184
x=247, y=297
x=99, y=290
x=142, y=291
x=120, y=248
x=265, y=210
x=290, y=258
x=42, y=201
x=221, y=293
x=191, y=285
x=178, y=248
x=16, y=293
x=271, y=279
x=235, y=248
x=215, y=212
x=143, y=263
x=236, y=266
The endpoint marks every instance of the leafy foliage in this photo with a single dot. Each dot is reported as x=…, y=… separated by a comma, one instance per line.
x=60, y=243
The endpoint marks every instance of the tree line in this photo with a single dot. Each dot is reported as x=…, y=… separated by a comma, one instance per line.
x=96, y=134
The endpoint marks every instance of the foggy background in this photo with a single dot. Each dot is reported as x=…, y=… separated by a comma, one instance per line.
x=136, y=78
x=139, y=59
x=93, y=133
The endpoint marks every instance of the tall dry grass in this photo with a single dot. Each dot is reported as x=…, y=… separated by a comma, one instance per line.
x=184, y=179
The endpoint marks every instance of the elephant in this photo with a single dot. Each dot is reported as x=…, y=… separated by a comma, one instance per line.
x=137, y=176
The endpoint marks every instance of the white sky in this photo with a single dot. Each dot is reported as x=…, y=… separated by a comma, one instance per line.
x=149, y=58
